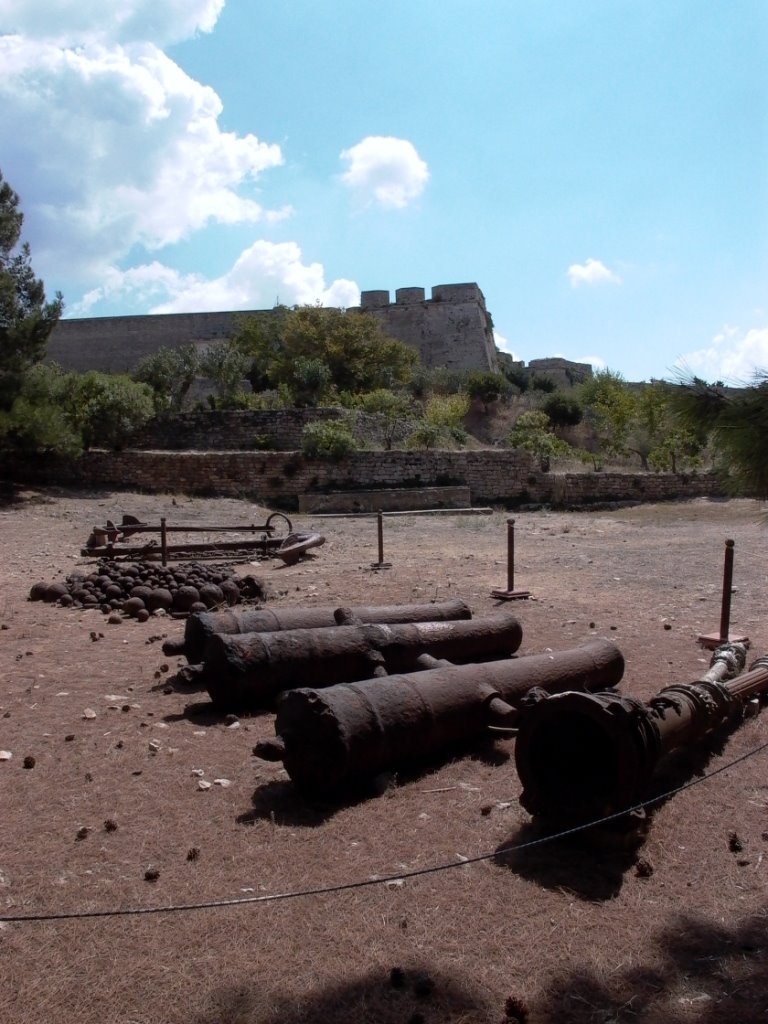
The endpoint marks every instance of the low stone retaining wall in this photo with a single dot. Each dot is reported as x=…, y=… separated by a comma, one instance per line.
x=497, y=476
x=230, y=430
x=400, y=500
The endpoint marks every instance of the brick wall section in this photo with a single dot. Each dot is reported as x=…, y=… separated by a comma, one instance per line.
x=494, y=476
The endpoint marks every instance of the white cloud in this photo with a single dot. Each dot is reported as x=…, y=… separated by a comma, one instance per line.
x=733, y=356
x=77, y=22
x=596, y=362
x=116, y=146
x=262, y=275
x=591, y=272
x=503, y=344
x=386, y=170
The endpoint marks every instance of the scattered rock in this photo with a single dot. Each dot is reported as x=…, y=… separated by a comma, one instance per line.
x=5, y=755
x=151, y=875
x=203, y=785
x=397, y=977
x=643, y=868
x=515, y=1010
x=193, y=853
x=83, y=832
x=735, y=845
x=110, y=825
x=89, y=713
x=29, y=762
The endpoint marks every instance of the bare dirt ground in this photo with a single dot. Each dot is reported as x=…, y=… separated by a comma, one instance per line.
x=558, y=934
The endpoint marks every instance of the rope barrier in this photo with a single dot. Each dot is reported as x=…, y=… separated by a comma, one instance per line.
x=324, y=890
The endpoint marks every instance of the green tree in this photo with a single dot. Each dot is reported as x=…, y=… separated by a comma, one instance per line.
x=609, y=408
x=736, y=421
x=310, y=382
x=38, y=420
x=226, y=365
x=533, y=433
x=486, y=386
x=107, y=408
x=425, y=435
x=447, y=411
x=170, y=372
x=444, y=416
x=518, y=376
x=656, y=437
x=563, y=410
x=26, y=319
x=390, y=411
x=540, y=382
x=352, y=345
x=259, y=336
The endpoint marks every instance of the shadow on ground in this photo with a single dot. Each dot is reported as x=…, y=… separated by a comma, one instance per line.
x=701, y=973
x=282, y=803
x=592, y=863
x=694, y=972
x=398, y=996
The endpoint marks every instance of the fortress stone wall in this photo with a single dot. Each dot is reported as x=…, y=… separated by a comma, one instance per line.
x=451, y=329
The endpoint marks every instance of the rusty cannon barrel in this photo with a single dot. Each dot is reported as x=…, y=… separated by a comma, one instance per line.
x=249, y=670
x=581, y=757
x=332, y=738
x=200, y=627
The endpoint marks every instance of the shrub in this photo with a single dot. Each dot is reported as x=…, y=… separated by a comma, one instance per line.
x=108, y=408
x=327, y=439
x=533, y=432
x=563, y=410
x=541, y=383
x=426, y=435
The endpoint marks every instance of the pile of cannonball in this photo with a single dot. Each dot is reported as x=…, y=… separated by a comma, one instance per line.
x=140, y=588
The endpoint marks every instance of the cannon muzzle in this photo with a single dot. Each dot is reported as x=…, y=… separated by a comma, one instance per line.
x=581, y=757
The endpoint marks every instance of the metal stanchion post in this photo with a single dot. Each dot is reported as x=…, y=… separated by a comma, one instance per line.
x=510, y=594
x=381, y=564
x=712, y=640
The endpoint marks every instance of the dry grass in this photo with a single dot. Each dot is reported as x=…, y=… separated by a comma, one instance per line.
x=556, y=935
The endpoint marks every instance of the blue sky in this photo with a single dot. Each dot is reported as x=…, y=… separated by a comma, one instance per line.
x=600, y=169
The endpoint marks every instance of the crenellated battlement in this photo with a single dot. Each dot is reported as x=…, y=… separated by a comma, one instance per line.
x=451, y=329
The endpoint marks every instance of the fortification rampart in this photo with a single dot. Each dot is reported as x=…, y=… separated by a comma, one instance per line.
x=452, y=329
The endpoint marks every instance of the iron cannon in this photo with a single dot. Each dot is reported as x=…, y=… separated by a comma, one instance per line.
x=249, y=670
x=334, y=737
x=200, y=627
